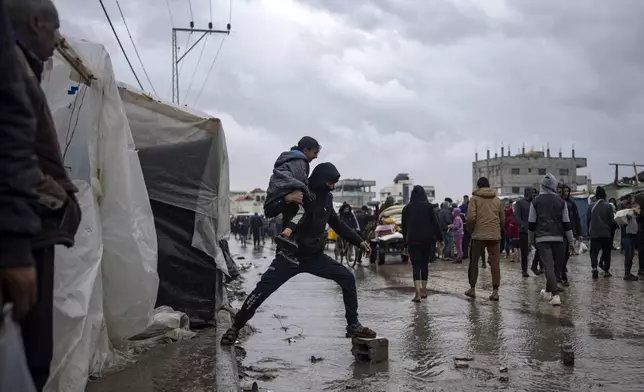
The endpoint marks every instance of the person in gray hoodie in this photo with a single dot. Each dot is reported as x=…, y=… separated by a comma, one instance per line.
x=445, y=218
x=600, y=219
x=548, y=227
x=521, y=215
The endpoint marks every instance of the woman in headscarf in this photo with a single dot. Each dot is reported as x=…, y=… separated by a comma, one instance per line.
x=420, y=229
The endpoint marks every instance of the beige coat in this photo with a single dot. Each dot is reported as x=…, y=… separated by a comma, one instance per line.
x=485, y=215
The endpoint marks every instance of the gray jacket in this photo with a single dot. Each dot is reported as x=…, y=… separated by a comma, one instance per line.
x=600, y=219
x=445, y=217
x=549, y=220
x=290, y=173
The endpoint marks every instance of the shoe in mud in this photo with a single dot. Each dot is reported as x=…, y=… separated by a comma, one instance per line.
x=555, y=301
x=286, y=243
x=288, y=257
x=565, y=282
x=229, y=337
x=471, y=293
x=545, y=295
x=595, y=274
x=494, y=296
x=631, y=278
x=360, y=331
x=525, y=274
x=607, y=274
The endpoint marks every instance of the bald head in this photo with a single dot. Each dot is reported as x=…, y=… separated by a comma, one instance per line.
x=37, y=23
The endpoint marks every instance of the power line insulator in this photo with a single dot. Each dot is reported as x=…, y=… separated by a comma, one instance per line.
x=210, y=25
x=228, y=26
x=192, y=24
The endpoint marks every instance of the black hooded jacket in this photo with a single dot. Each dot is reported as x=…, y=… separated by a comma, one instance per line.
x=419, y=224
x=318, y=208
x=522, y=209
x=573, y=212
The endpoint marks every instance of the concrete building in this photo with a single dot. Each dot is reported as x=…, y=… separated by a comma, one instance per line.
x=355, y=192
x=401, y=188
x=248, y=202
x=509, y=174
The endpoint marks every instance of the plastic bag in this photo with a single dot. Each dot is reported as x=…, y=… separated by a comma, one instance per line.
x=582, y=248
x=14, y=374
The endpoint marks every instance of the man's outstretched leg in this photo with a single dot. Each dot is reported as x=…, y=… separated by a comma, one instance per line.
x=278, y=273
x=325, y=267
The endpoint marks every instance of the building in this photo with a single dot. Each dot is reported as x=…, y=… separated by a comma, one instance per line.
x=509, y=174
x=401, y=188
x=248, y=202
x=355, y=192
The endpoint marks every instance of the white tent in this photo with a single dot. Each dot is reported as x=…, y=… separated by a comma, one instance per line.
x=106, y=285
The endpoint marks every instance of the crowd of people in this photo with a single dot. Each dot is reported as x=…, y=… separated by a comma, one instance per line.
x=547, y=220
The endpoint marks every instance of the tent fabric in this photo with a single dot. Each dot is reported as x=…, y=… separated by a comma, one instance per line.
x=185, y=165
x=105, y=286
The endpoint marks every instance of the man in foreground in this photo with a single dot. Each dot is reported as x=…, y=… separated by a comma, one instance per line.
x=35, y=24
x=311, y=242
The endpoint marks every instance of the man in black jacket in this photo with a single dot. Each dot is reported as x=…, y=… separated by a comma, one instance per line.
x=521, y=215
x=575, y=221
x=311, y=242
x=600, y=220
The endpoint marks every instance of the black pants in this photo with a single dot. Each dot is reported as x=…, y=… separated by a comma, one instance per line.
x=605, y=245
x=419, y=255
x=432, y=251
x=564, y=268
x=38, y=325
x=525, y=251
x=630, y=244
x=281, y=270
x=536, y=260
x=257, y=237
x=640, y=247
x=467, y=237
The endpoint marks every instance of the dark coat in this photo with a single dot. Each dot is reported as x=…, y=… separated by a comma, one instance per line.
x=419, y=224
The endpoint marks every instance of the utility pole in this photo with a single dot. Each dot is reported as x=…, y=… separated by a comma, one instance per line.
x=176, y=59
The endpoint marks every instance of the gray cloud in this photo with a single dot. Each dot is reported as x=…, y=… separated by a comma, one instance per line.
x=389, y=88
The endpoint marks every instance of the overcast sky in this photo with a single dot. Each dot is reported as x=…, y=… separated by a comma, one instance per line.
x=391, y=86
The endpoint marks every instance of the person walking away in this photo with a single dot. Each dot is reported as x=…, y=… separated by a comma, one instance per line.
x=256, y=228
x=311, y=256
x=548, y=224
x=35, y=26
x=347, y=217
x=512, y=232
x=466, y=234
x=20, y=222
x=521, y=215
x=457, y=234
x=613, y=204
x=600, y=221
x=244, y=230
x=420, y=230
x=575, y=220
x=290, y=173
x=485, y=218
x=445, y=218
x=630, y=225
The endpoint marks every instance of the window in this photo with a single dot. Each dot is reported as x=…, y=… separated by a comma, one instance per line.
x=542, y=172
x=516, y=190
x=257, y=199
x=563, y=172
x=530, y=170
x=516, y=170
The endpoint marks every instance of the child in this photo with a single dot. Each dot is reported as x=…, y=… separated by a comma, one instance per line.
x=512, y=232
x=457, y=233
x=290, y=173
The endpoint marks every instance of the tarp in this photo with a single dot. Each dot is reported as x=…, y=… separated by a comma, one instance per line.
x=107, y=284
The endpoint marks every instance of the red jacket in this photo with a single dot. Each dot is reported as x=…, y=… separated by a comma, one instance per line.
x=511, y=226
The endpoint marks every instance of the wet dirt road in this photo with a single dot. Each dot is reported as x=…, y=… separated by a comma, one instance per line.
x=602, y=320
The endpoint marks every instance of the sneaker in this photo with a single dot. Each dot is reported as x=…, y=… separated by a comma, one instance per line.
x=471, y=293
x=545, y=295
x=286, y=243
x=535, y=270
x=595, y=274
x=288, y=257
x=564, y=282
x=607, y=274
x=360, y=331
x=631, y=278
x=494, y=296
x=525, y=274
x=555, y=301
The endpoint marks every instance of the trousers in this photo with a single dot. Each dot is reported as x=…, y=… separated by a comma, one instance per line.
x=420, y=255
x=477, y=250
x=281, y=270
x=552, y=256
x=604, y=245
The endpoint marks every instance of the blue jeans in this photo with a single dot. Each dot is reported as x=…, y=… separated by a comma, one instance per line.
x=629, y=242
x=447, y=241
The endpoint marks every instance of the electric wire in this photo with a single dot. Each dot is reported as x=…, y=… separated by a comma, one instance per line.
x=120, y=44
x=167, y=3
x=192, y=16
x=194, y=73
x=212, y=65
x=136, y=51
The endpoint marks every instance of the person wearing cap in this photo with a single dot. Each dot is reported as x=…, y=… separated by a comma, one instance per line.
x=290, y=173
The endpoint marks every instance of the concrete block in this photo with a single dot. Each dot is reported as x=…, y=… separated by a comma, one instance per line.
x=374, y=350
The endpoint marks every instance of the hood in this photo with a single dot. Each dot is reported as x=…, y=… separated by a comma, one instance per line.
x=566, y=191
x=344, y=206
x=418, y=195
x=548, y=184
x=456, y=212
x=323, y=173
x=289, y=156
x=527, y=192
x=487, y=193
